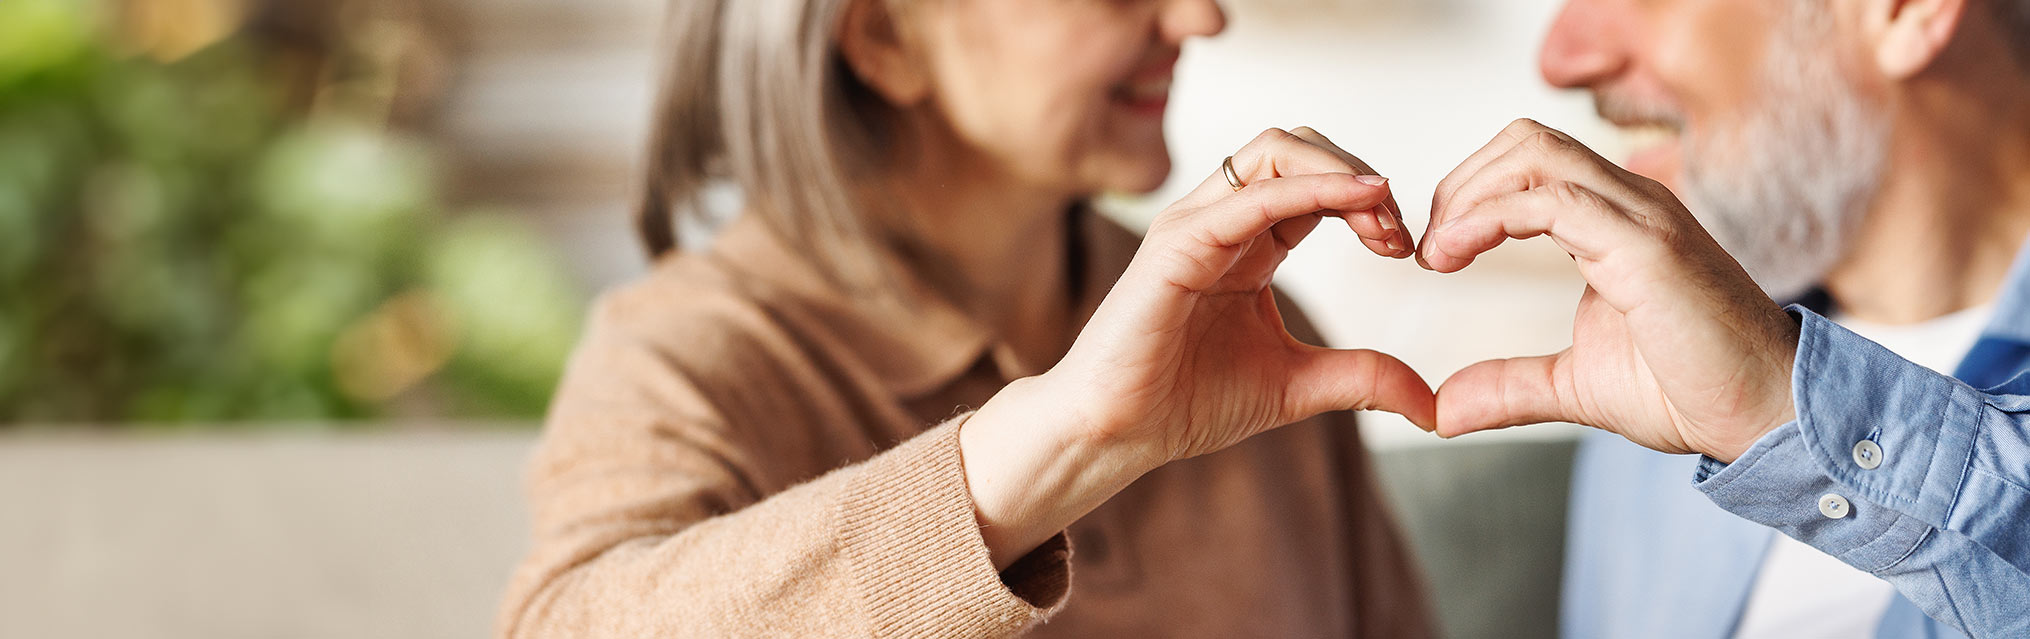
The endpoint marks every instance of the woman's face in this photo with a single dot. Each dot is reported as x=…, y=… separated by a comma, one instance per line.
x=1059, y=94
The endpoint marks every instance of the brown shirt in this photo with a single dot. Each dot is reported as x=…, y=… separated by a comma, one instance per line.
x=741, y=449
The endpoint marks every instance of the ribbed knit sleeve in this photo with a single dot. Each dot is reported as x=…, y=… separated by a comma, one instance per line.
x=888, y=547
x=919, y=565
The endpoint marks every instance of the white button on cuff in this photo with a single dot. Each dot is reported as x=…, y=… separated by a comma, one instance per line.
x=1867, y=454
x=1833, y=506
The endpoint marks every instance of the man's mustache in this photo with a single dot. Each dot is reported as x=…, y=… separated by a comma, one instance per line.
x=1623, y=110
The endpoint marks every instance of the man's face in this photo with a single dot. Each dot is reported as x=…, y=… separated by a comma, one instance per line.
x=1746, y=108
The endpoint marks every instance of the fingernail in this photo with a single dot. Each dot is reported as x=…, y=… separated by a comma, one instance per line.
x=1387, y=221
x=1395, y=244
x=1372, y=180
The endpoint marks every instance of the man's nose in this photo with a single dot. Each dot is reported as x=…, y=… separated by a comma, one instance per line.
x=1583, y=47
x=1183, y=19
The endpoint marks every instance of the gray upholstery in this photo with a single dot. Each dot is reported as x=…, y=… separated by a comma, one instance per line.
x=400, y=534
x=1488, y=522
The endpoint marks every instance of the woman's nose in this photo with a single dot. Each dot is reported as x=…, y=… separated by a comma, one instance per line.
x=1583, y=47
x=1183, y=19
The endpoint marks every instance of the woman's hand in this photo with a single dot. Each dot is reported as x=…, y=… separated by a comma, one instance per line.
x=1188, y=355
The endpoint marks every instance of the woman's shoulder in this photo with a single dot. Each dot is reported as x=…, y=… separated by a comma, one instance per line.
x=690, y=310
x=687, y=336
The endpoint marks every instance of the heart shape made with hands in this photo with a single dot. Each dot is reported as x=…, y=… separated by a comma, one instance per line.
x=1673, y=345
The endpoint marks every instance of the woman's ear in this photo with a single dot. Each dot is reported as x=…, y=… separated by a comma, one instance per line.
x=873, y=43
x=1908, y=35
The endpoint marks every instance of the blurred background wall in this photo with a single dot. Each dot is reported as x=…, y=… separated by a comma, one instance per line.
x=284, y=285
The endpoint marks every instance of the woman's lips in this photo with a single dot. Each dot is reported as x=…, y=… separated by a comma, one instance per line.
x=1147, y=92
x=1144, y=96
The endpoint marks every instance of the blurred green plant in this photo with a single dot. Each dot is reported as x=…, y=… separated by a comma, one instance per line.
x=177, y=246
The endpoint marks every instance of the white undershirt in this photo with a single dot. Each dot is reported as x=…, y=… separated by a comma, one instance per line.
x=1801, y=592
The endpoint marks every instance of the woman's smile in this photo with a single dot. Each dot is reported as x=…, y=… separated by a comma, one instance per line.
x=1147, y=92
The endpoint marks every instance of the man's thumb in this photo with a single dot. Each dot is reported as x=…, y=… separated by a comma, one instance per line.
x=1498, y=394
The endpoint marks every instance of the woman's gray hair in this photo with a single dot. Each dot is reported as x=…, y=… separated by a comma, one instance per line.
x=754, y=95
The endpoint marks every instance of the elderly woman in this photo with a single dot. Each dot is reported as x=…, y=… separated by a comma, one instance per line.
x=916, y=380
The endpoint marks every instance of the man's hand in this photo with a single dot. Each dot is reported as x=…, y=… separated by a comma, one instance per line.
x=1673, y=346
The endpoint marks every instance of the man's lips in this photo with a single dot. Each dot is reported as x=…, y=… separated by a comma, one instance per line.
x=1649, y=124
x=1647, y=135
x=1655, y=150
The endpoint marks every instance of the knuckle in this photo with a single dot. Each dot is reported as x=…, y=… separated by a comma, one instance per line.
x=1523, y=125
x=1272, y=135
x=1669, y=237
x=1261, y=149
x=1547, y=142
x=1572, y=195
x=1652, y=188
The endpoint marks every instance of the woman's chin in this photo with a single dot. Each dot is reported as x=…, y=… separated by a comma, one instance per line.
x=1139, y=177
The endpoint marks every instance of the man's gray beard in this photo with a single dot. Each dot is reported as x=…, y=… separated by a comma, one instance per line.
x=1784, y=191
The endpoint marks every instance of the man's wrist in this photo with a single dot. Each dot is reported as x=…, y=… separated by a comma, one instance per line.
x=1780, y=407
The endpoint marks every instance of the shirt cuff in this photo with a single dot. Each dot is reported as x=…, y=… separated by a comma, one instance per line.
x=1848, y=390
x=919, y=563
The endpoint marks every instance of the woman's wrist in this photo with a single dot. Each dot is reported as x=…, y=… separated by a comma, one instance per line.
x=1034, y=464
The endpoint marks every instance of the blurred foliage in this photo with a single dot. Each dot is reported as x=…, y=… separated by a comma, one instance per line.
x=178, y=244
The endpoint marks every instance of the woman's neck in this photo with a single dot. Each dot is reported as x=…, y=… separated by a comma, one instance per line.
x=997, y=248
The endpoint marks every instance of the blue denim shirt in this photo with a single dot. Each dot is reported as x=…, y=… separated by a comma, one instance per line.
x=1944, y=517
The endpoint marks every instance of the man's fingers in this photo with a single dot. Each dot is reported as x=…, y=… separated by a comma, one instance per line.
x=1540, y=159
x=1509, y=136
x=1499, y=394
x=1328, y=380
x=1584, y=224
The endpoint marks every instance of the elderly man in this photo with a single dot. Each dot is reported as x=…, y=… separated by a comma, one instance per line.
x=1867, y=158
